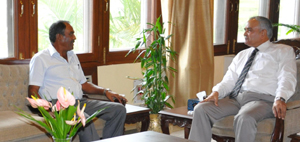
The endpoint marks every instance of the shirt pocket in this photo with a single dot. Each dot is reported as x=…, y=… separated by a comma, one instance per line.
x=75, y=72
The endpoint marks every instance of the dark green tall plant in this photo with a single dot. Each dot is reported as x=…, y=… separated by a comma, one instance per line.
x=153, y=59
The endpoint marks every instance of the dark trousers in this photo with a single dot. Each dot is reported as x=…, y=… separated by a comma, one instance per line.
x=114, y=115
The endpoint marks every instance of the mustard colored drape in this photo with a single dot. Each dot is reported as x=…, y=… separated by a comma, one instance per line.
x=191, y=23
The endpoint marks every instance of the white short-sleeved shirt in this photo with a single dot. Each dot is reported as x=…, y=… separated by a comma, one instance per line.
x=50, y=71
x=273, y=71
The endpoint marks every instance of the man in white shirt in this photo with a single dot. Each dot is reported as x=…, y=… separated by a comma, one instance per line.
x=59, y=66
x=270, y=81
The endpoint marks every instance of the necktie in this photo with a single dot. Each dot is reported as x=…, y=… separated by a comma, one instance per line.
x=243, y=75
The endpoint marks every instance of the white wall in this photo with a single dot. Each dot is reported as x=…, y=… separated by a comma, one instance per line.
x=114, y=76
x=221, y=65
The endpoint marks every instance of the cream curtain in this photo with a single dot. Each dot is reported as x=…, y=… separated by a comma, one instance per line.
x=192, y=29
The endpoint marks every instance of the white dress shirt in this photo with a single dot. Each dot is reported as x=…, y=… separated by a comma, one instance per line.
x=273, y=71
x=50, y=71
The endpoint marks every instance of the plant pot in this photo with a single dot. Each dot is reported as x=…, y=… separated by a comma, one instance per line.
x=155, y=123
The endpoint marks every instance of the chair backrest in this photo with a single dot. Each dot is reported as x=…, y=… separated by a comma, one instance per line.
x=295, y=43
x=14, y=81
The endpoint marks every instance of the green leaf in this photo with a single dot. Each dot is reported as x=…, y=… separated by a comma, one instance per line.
x=28, y=116
x=172, y=69
x=169, y=36
x=168, y=105
x=144, y=38
x=289, y=31
x=139, y=56
x=158, y=25
x=166, y=86
x=73, y=132
x=130, y=51
x=173, y=100
x=294, y=28
x=166, y=79
x=149, y=72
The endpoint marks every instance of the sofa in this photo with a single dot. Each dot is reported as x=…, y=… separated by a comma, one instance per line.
x=13, y=92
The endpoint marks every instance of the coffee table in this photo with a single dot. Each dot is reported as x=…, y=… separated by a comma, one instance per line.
x=134, y=113
x=177, y=116
x=147, y=136
x=137, y=114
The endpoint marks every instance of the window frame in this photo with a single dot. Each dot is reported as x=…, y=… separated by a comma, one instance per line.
x=26, y=31
x=26, y=46
x=233, y=47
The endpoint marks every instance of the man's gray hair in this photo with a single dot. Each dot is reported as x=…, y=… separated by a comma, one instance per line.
x=264, y=23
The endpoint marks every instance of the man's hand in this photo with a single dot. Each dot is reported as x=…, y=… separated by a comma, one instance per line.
x=279, y=109
x=112, y=96
x=213, y=97
x=33, y=90
x=91, y=88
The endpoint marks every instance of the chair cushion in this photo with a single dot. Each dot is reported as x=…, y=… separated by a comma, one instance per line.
x=224, y=127
x=296, y=95
x=13, y=126
x=14, y=87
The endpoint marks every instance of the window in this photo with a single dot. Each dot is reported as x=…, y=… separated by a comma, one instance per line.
x=247, y=9
x=289, y=14
x=127, y=19
x=7, y=30
x=77, y=12
x=125, y=23
x=219, y=21
x=99, y=25
x=237, y=13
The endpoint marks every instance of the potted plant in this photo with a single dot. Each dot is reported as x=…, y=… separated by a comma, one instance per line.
x=64, y=120
x=155, y=82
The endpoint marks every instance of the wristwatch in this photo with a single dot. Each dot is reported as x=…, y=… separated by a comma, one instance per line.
x=280, y=98
x=106, y=90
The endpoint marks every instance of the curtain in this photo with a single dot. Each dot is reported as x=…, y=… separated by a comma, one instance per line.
x=191, y=23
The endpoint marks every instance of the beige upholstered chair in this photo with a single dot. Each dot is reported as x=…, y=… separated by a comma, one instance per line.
x=270, y=129
x=14, y=80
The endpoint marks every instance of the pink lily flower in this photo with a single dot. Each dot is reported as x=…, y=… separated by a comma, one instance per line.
x=65, y=97
x=34, y=102
x=80, y=113
x=57, y=106
x=73, y=121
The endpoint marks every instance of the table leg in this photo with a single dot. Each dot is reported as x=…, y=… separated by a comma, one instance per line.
x=164, y=124
x=142, y=117
x=186, y=132
x=145, y=123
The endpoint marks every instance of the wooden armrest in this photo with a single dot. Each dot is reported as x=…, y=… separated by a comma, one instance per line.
x=96, y=97
x=293, y=104
x=278, y=132
x=101, y=98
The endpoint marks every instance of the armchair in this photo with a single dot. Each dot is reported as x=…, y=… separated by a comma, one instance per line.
x=272, y=129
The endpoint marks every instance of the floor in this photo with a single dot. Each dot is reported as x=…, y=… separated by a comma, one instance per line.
x=179, y=132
